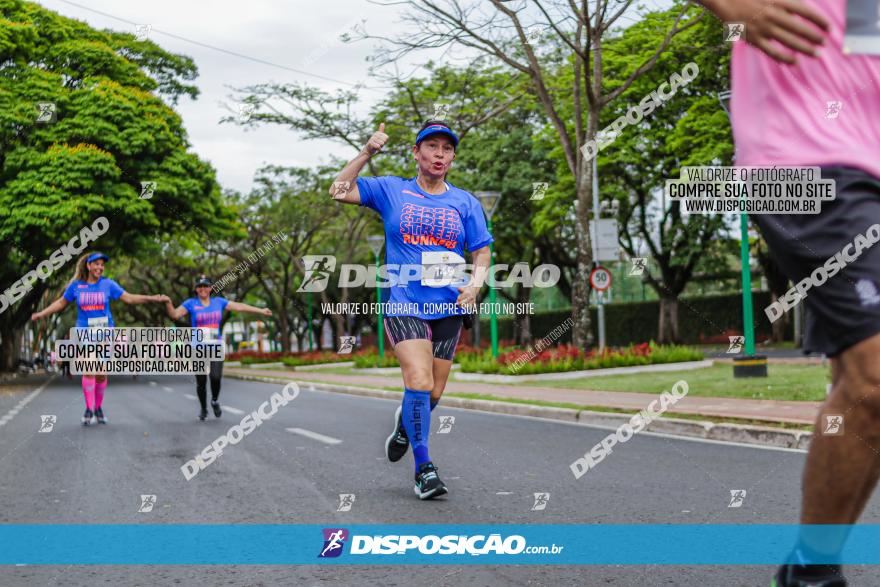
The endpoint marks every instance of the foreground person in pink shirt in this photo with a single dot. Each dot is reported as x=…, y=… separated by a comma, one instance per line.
x=800, y=99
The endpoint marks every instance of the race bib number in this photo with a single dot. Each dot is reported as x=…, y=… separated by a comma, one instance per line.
x=208, y=334
x=99, y=322
x=440, y=268
x=862, y=36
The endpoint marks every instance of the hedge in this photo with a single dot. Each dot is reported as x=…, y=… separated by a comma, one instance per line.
x=700, y=320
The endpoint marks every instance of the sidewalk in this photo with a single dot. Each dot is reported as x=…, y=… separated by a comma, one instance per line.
x=750, y=409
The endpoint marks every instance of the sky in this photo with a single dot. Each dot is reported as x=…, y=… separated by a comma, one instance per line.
x=294, y=34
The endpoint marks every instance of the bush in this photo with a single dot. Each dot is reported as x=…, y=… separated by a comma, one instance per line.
x=250, y=357
x=289, y=359
x=313, y=358
x=369, y=359
x=567, y=358
x=702, y=319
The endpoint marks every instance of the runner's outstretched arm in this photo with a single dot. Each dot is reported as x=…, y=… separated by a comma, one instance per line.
x=175, y=313
x=240, y=307
x=766, y=21
x=134, y=299
x=345, y=189
x=52, y=308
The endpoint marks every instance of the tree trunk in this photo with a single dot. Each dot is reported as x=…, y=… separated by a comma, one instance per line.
x=10, y=347
x=582, y=337
x=284, y=331
x=778, y=327
x=667, y=331
x=523, y=321
x=338, y=323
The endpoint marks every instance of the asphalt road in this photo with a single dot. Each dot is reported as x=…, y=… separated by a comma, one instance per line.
x=492, y=463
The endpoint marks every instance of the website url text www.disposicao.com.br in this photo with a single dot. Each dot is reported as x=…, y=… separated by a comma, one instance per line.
x=451, y=544
x=142, y=367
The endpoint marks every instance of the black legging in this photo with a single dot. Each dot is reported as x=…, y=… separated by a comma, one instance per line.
x=216, y=374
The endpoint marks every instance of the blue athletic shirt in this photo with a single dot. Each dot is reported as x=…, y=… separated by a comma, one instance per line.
x=419, y=228
x=206, y=316
x=93, y=301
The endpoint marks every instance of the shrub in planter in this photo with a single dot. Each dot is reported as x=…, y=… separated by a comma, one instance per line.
x=567, y=358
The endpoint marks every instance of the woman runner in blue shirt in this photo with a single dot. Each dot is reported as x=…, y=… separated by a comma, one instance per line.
x=92, y=293
x=207, y=312
x=428, y=222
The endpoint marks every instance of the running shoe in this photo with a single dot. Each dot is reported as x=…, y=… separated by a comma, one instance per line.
x=809, y=576
x=428, y=484
x=99, y=414
x=87, y=417
x=203, y=414
x=216, y=406
x=397, y=444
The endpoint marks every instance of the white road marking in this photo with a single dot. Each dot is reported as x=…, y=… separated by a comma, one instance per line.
x=190, y=396
x=153, y=384
x=168, y=389
x=314, y=435
x=503, y=493
x=235, y=411
x=25, y=401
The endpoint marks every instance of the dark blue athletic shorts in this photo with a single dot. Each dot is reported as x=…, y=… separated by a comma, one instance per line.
x=442, y=332
x=844, y=309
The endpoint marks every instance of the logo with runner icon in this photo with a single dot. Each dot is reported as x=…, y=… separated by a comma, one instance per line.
x=446, y=424
x=334, y=541
x=541, y=501
x=318, y=269
x=147, y=503
x=736, y=344
x=346, y=345
x=833, y=425
x=346, y=500
x=47, y=423
x=737, y=496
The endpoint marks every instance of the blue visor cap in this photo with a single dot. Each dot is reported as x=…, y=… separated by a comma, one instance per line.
x=437, y=129
x=95, y=256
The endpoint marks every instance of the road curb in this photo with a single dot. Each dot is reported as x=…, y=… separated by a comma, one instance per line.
x=745, y=434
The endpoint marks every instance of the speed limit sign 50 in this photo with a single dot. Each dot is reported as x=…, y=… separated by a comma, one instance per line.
x=600, y=279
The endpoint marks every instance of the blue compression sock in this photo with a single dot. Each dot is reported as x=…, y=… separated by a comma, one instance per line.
x=416, y=416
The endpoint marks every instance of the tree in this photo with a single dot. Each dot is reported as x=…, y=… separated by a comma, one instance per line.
x=294, y=202
x=85, y=156
x=690, y=129
x=566, y=35
x=486, y=105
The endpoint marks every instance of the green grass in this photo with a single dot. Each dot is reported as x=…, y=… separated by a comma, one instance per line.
x=333, y=370
x=570, y=406
x=785, y=382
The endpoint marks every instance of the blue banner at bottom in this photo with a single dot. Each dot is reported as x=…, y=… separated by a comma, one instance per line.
x=629, y=544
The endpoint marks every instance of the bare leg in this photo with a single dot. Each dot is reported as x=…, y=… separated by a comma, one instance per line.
x=441, y=370
x=415, y=358
x=842, y=471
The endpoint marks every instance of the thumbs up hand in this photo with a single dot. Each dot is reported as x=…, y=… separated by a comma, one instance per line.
x=377, y=141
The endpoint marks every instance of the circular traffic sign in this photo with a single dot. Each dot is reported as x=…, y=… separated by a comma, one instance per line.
x=600, y=279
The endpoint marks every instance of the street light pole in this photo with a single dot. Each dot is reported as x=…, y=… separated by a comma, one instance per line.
x=311, y=324
x=376, y=242
x=600, y=307
x=493, y=321
x=489, y=202
x=750, y=365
